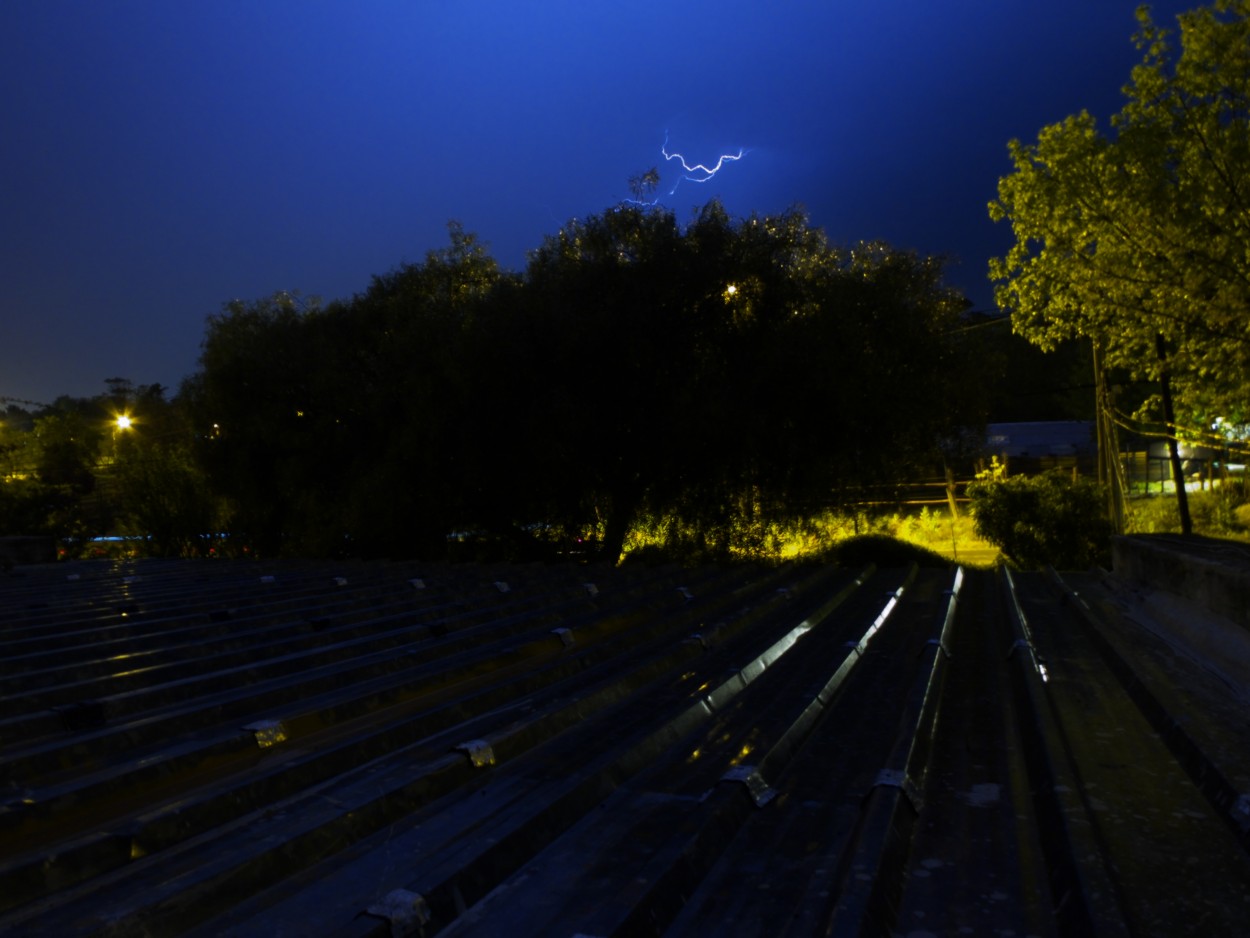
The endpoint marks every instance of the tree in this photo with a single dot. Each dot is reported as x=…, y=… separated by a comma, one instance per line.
x=1141, y=241
x=161, y=491
x=1049, y=519
x=643, y=185
x=730, y=368
x=250, y=403
x=734, y=366
x=426, y=408
x=346, y=428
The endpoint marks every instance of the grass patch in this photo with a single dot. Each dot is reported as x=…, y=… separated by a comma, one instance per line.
x=885, y=551
x=927, y=536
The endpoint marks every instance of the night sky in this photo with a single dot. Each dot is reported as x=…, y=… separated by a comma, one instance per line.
x=160, y=158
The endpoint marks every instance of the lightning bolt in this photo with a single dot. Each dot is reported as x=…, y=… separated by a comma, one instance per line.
x=697, y=172
x=705, y=173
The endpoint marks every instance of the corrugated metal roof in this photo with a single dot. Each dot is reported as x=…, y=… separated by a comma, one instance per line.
x=313, y=749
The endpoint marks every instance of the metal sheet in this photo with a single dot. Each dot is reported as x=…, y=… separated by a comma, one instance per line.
x=407, y=912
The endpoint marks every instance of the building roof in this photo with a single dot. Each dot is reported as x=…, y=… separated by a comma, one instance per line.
x=350, y=748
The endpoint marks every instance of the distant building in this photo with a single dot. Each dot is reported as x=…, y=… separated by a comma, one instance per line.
x=1044, y=444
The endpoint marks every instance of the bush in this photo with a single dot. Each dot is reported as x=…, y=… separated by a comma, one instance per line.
x=1221, y=512
x=1042, y=520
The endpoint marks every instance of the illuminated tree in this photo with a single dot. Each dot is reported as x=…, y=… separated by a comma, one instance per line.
x=1140, y=241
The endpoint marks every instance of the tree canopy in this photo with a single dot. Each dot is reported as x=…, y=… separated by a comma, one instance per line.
x=700, y=372
x=1140, y=239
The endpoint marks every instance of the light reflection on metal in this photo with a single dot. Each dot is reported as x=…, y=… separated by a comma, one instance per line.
x=1026, y=642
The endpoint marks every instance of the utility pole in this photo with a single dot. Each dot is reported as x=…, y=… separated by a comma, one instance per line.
x=1109, y=466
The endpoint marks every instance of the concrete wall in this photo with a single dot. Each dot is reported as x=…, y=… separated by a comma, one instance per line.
x=1197, y=592
x=1216, y=576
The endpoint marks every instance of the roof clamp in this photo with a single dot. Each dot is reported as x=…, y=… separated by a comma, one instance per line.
x=696, y=638
x=686, y=594
x=502, y=586
x=750, y=776
x=565, y=636
x=479, y=752
x=340, y=581
x=898, y=778
x=407, y=911
x=268, y=733
x=1018, y=644
x=941, y=647
x=417, y=583
x=591, y=588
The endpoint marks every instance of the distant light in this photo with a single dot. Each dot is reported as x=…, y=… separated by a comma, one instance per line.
x=124, y=422
x=731, y=289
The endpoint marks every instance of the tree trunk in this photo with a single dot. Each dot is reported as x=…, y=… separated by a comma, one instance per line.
x=620, y=516
x=1174, y=453
x=1108, y=446
x=950, y=493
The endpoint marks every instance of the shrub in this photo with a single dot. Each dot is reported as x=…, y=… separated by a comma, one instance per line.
x=1042, y=520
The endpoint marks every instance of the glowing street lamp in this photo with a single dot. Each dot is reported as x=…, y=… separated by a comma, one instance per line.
x=124, y=422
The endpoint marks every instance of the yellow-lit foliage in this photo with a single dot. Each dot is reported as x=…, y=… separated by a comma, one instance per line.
x=773, y=541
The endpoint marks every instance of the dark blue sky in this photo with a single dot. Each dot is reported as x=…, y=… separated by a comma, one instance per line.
x=160, y=158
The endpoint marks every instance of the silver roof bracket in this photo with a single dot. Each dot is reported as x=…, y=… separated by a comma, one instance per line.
x=897, y=778
x=502, y=586
x=759, y=790
x=941, y=647
x=565, y=636
x=591, y=589
x=267, y=732
x=479, y=752
x=407, y=911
